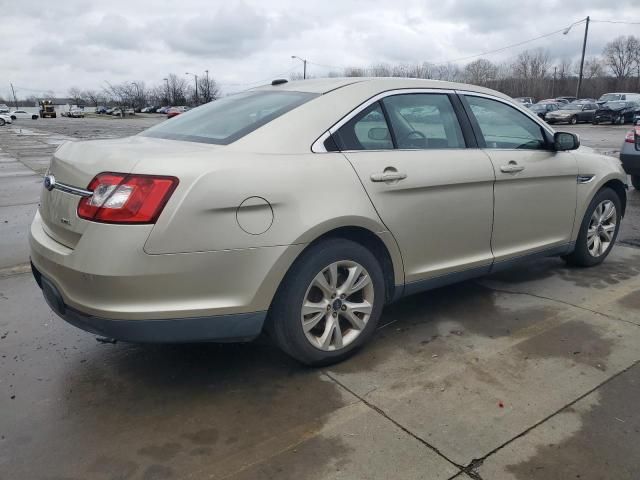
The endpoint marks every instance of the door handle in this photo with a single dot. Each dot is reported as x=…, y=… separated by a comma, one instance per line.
x=512, y=167
x=389, y=175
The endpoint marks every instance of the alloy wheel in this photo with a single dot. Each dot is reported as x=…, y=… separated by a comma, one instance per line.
x=337, y=305
x=602, y=227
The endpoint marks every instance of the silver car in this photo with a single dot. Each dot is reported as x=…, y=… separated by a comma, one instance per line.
x=302, y=208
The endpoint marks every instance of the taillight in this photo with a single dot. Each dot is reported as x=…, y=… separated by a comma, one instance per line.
x=630, y=137
x=121, y=198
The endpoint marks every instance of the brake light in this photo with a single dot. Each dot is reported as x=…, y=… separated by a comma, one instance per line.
x=630, y=137
x=121, y=198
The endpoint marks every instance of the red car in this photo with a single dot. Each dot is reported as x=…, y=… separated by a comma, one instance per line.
x=174, y=111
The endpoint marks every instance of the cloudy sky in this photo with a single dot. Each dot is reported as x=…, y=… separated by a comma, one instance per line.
x=52, y=45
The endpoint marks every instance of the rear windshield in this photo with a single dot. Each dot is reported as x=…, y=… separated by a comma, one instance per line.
x=226, y=120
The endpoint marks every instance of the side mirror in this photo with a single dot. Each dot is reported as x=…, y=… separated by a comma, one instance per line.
x=378, y=133
x=565, y=141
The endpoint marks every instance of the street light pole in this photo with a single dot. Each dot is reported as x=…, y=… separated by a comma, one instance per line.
x=553, y=85
x=208, y=94
x=304, y=66
x=167, y=82
x=196, y=78
x=137, y=93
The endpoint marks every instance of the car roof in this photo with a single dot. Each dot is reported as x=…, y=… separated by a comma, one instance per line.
x=326, y=85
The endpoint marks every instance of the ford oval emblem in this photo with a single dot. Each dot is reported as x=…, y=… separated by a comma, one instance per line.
x=49, y=182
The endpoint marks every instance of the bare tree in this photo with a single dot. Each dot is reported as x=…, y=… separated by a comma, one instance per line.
x=177, y=89
x=480, y=72
x=75, y=94
x=208, y=88
x=621, y=55
x=93, y=97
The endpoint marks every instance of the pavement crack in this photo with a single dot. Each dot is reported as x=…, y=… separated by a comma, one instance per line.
x=395, y=422
x=476, y=463
x=563, y=302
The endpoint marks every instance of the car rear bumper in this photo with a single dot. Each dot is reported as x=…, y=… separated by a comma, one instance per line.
x=630, y=158
x=232, y=327
x=112, y=287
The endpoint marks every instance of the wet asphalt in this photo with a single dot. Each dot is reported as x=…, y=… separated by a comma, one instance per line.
x=528, y=374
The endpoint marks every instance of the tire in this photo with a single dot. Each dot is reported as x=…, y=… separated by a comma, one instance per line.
x=34, y=117
x=582, y=256
x=635, y=181
x=285, y=323
x=13, y=117
x=2, y=122
x=594, y=122
x=573, y=120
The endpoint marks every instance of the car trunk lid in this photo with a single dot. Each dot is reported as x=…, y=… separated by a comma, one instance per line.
x=75, y=164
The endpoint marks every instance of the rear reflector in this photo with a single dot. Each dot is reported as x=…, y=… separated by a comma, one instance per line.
x=121, y=198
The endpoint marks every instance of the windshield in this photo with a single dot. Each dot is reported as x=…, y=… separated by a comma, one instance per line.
x=609, y=96
x=228, y=119
x=571, y=107
x=538, y=108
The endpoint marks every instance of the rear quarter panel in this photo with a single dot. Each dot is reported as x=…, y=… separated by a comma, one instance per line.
x=308, y=195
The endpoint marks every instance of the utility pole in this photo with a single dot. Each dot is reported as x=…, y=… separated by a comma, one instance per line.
x=15, y=100
x=584, y=48
x=553, y=85
x=304, y=66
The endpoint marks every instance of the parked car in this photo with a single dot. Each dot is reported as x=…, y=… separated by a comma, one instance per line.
x=292, y=208
x=163, y=110
x=175, y=111
x=101, y=109
x=15, y=114
x=616, y=111
x=525, y=100
x=610, y=97
x=572, y=113
x=76, y=113
x=630, y=155
x=127, y=111
x=566, y=99
x=542, y=109
x=5, y=119
x=584, y=100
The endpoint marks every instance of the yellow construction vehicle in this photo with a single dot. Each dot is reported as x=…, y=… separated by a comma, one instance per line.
x=47, y=109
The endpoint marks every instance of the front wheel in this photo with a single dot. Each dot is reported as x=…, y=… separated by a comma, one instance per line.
x=573, y=120
x=2, y=122
x=34, y=117
x=635, y=181
x=13, y=117
x=598, y=231
x=329, y=303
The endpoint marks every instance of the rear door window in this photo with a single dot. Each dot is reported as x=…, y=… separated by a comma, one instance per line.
x=423, y=121
x=368, y=130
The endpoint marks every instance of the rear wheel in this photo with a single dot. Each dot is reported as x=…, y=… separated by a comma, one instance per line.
x=13, y=117
x=573, y=120
x=598, y=231
x=329, y=303
x=635, y=181
x=595, y=122
x=34, y=117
